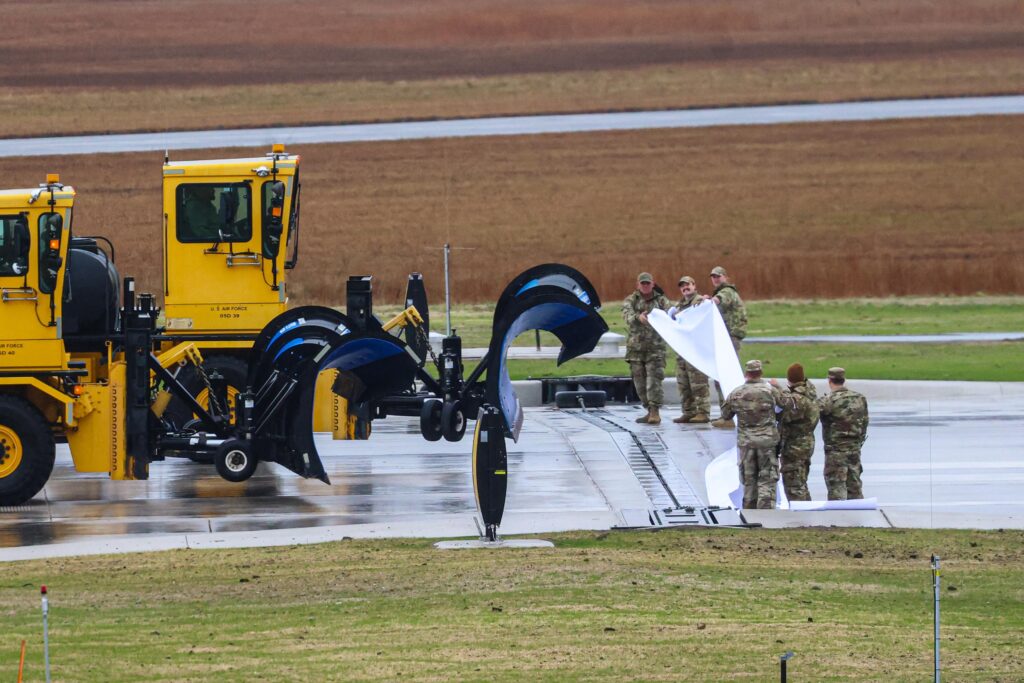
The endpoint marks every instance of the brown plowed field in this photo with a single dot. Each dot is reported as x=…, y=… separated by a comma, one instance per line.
x=810, y=210
x=222, y=42
x=113, y=65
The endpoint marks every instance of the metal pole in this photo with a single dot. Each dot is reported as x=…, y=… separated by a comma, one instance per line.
x=782, y=665
x=538, y=339
x=46, y=633
x=936, y=574
x=447, y=292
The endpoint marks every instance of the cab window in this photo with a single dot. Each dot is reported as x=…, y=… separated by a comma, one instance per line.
x=214, y=212
x=15, y=241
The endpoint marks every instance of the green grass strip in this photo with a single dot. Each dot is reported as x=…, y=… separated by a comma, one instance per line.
x=684, y=604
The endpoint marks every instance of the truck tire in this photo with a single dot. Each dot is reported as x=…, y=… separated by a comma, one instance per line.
x=234, y=370
x=26, y=451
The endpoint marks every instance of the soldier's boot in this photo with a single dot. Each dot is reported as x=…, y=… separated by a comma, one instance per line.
x=644, y=419
x=654, y=416
x=699, y=418
x=685, y=417
x=724, y=424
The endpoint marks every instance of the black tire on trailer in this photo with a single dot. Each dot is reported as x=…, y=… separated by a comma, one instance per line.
x=430, y=419
x=234, y=370
x=235, y=460
x=26, y=451
x=453, y=421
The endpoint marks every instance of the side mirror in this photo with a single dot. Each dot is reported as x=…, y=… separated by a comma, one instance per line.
x=277, y=193
x=274, y=224
x=50, y=260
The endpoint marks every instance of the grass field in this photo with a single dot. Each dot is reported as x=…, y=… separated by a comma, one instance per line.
x=829, y=210
x=231, y=63
x=696, y=605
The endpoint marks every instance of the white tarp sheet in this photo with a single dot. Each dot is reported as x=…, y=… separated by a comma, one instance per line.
x=699, y=335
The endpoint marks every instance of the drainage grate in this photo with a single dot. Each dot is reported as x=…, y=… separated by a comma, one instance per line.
x=697, y=516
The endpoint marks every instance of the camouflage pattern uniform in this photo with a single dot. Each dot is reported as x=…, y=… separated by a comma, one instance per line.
x=844, y=426
x=796, y=430
x=694, y=393
x=645, y=349
x=754, y=403
x=734, y=313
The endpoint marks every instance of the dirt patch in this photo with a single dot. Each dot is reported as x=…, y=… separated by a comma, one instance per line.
x=186, y=66
x=224, y=42
x=924, y=207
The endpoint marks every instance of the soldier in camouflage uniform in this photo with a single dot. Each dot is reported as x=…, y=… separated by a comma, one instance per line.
x=734, y=313
x=645, y=349
x=844, y=426
x=694, y=393
x=754, y=404
x=796, y=431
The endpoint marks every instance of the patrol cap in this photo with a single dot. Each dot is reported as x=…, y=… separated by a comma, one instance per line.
x=645, y=277
x=686, y=280
x=719, y=270
x=838, y=374
x=753, y=366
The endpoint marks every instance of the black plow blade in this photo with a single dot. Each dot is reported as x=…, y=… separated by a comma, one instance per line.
x=554, y=298
x=289, y=356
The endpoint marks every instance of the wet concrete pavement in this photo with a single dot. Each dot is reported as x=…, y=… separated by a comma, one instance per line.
x=931, y=462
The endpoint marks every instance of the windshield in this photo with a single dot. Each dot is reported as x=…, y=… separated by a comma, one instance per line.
x=214, y=212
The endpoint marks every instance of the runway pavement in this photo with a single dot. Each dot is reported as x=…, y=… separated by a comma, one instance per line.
x=518, y=125
x=934, y=458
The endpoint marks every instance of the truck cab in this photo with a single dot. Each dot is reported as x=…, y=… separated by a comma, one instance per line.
x=230, y=234
x=35, y=225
